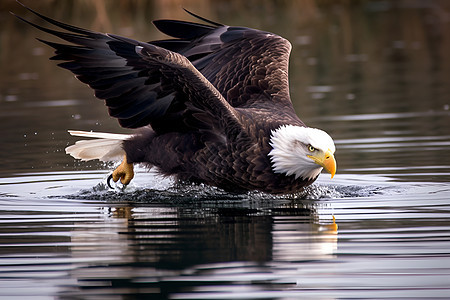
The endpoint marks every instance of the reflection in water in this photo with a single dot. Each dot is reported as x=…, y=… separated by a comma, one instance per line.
x=296, y=240
x=170, y=250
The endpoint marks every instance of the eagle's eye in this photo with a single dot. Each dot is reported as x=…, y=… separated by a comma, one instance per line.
x=311, y=148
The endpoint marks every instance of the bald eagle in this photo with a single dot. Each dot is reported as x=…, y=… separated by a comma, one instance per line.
x=210, y=105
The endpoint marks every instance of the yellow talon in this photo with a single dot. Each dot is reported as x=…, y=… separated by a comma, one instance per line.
x=124, y=172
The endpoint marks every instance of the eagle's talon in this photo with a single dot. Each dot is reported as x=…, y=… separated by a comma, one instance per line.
x=124, y=172
x=108, y=181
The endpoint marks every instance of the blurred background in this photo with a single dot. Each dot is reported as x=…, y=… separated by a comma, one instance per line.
x=375, y=74
x=360, y=70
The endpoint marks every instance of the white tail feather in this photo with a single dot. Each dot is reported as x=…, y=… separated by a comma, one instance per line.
x=100, y=135
x=105, y=147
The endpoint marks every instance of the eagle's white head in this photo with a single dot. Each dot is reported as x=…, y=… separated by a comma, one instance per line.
x=302, y=151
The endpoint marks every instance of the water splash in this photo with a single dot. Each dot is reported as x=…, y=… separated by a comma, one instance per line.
x=183, y=193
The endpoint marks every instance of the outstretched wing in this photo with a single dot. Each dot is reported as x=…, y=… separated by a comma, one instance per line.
x=141, y=83
x=248, y=66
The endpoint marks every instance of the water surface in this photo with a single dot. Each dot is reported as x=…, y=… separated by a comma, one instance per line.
x=374, y=74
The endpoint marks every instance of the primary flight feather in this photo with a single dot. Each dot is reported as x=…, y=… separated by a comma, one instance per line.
x=211, y=105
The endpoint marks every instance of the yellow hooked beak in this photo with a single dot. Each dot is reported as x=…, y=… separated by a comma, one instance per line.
x=325, y=160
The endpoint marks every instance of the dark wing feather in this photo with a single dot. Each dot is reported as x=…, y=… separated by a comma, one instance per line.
x=141, y=84
x=203, y=96
x=248, y=66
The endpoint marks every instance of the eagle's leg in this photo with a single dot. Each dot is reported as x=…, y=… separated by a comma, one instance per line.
x=124, y=172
